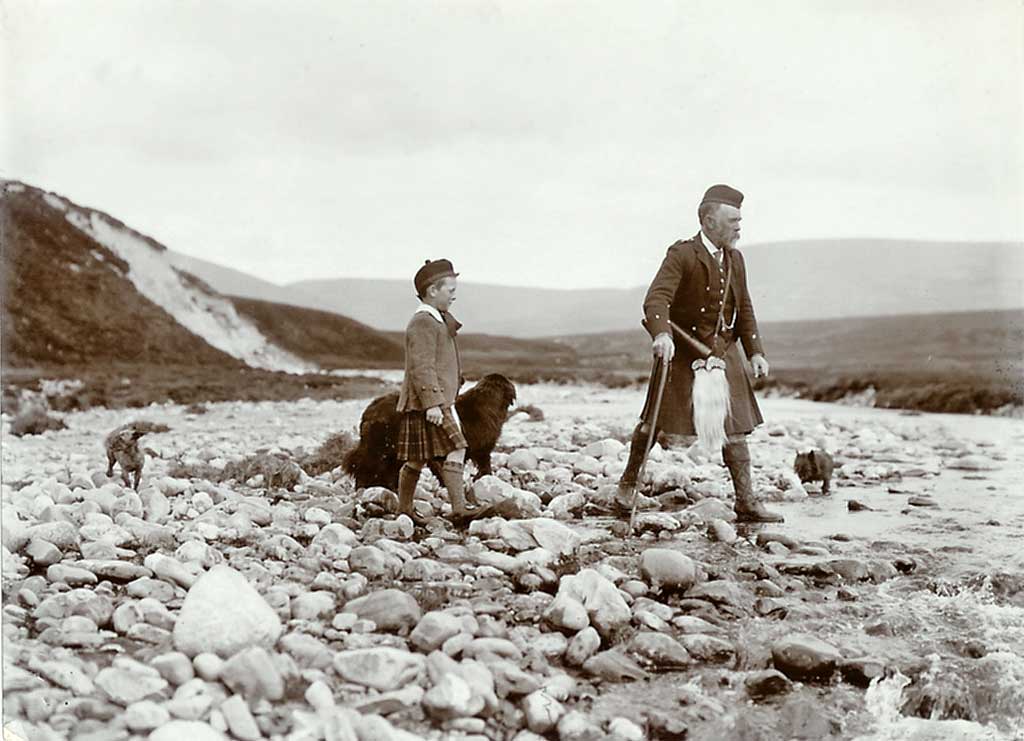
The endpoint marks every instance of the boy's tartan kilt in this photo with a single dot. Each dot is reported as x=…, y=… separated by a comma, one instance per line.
x=419, y=440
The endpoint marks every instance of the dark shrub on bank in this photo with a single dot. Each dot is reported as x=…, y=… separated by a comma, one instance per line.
x=329, y=455
x=961, y=394
x=35, y=421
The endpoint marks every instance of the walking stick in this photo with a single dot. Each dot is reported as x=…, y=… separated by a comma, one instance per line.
x=653, y=423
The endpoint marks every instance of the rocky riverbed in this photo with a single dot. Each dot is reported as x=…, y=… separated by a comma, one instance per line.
x=202, y=610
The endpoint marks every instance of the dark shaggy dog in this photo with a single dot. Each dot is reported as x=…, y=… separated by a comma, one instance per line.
x=122, y=446
x=815, y=465
x=483, y=411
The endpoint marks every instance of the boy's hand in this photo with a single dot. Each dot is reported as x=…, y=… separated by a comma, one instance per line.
x=434, y=416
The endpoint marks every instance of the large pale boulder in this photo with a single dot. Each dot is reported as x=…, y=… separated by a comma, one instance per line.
x=223, y=614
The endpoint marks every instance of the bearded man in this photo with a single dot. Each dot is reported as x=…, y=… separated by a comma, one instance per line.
x=689, y=289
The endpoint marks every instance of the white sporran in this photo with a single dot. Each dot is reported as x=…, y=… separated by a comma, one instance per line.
x=710, y=403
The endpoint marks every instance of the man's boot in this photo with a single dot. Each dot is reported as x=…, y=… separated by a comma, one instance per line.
x=748, y=509
x=408, y=476
x=451, y=475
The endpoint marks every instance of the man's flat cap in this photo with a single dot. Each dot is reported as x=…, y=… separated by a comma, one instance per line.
x=723, y=194
x=431, y=271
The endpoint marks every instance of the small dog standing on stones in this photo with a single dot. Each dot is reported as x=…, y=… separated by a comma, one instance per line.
x=122, y=446
x=814, y=465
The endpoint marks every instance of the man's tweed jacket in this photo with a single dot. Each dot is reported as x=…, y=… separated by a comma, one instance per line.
x=688, y=290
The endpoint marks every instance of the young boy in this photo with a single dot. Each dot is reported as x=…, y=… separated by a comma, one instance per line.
x=430, y=426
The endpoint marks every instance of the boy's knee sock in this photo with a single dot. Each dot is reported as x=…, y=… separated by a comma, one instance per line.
x=408, y=476
x=451, y=472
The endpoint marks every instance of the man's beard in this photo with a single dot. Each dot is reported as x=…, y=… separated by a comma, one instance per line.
x=725, y=239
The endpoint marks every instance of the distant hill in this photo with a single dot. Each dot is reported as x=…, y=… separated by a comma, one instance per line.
x=791, y=281
x=82, y=289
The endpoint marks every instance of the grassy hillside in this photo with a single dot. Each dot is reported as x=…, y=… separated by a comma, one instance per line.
x=66, y=300
x=329, y=340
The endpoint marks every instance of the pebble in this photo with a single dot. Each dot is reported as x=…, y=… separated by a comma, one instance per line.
x=625, y=729
x=390, y=609
x=433, y=629
x=181, y=730
x=451, y=697
x=208, y=666
x=254, y=674
x=175, y=667
x=70, y=575
x=312, y=605
x=663, y=568
x=613, y=666
x=146, y=715
x=42, y=552
x=659, y=650
x=239, y=720
x=576, y=726
x=763, y=685
x=128, y=681
x=542, y=711
x=383, y=668
x=803, y=656
x=722, y=531
x=603, y=602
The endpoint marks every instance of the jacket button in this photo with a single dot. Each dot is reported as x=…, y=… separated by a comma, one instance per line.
x=709, y=288
x=694, y=328
x=702, y=310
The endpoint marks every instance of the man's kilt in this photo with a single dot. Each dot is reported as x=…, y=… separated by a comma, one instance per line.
x=676, y=414
x=419, y=440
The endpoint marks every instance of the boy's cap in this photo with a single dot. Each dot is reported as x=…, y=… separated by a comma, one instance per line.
x=723, y=194
x=432, y=270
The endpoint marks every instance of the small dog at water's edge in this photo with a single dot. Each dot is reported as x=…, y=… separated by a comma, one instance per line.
x=482, y=410
x=815, y=465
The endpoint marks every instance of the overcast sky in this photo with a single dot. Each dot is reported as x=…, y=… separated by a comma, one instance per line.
x=539, y=143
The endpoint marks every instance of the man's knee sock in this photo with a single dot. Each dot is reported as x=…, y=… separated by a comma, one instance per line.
x=737, y=459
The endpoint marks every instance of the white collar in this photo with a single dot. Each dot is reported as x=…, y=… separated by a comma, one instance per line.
x=428, y=309
x=708, y=244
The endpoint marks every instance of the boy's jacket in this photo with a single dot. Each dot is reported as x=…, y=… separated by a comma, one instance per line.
x=433, y=369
